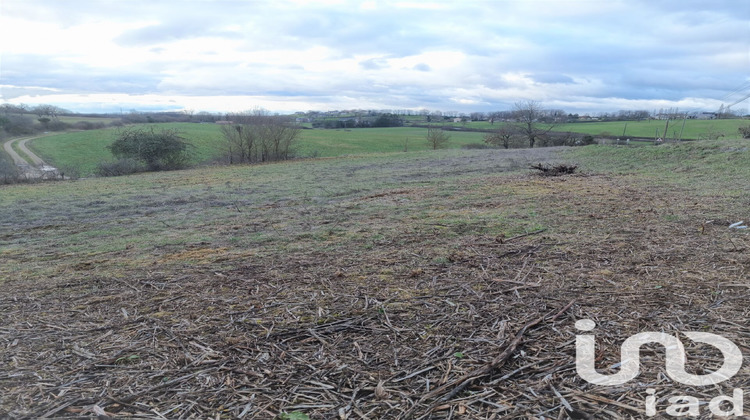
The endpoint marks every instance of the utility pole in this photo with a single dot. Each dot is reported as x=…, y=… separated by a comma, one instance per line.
x=683, y=126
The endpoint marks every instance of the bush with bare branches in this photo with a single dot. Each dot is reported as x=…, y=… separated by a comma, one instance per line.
x=258, y=137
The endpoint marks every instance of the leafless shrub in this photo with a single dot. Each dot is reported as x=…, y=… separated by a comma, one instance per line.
x=712, y=133
x=259, y=137
x=9, y=173
x=437, y=138
x=119, y=167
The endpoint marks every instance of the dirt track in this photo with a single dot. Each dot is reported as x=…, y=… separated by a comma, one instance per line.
x=37, y=168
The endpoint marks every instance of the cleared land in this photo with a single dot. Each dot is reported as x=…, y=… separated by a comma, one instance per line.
x=384, y=286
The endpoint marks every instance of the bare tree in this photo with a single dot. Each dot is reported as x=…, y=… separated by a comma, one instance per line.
x=528, y=115
x=502, y=136
x=48, y=111
x=437, y=138
x=8, y=109
x=239, y=142
x=189, y=113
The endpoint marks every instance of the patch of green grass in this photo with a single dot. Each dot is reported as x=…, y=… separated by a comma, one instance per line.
x=80, y=149
x=326, y=143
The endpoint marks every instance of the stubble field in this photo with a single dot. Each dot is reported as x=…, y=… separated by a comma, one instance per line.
x=424, y=285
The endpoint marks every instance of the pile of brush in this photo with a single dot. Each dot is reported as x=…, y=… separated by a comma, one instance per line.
x=555, y=170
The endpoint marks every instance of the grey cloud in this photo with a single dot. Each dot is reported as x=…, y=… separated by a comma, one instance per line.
x=373, y=64
x=552, y=78
x=631, y=50
x=34, y=70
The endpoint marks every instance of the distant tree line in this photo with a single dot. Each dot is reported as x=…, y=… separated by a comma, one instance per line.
x=20, y=120
x=136, y=117
x=358, y=121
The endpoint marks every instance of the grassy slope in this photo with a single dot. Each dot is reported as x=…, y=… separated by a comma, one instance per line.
x=80, y=149
x=712, y=167
x=86, y=149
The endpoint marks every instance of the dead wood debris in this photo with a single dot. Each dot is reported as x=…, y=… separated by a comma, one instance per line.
x=554, y=170
x=488, y=335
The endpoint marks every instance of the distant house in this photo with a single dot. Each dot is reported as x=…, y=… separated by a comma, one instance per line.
x=706, y=116
x=224, y=122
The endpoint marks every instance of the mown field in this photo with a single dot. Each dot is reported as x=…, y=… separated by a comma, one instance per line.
x=439, y=284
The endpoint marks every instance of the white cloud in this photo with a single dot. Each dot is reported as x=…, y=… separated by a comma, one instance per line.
x=289, y=55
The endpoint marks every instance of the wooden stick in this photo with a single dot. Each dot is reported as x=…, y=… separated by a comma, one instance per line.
x=525, y=234
x=465, y=380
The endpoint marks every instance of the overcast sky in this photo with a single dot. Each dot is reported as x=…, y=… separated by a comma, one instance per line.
x=231, y=55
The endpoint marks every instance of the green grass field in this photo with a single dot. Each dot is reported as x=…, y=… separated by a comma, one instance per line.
x=328, y=143
x=80, y=149
x=84, y=150
x=693, y=130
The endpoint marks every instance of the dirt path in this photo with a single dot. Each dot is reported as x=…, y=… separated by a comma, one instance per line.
x=17, y=159
x=37, y=168
x=36, y=160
